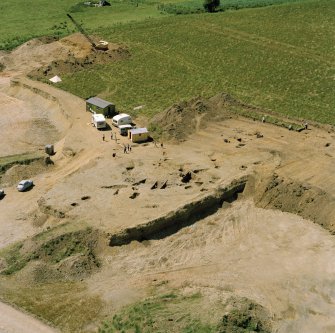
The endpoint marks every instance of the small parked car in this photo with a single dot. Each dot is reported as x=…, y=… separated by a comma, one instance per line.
x=2, y=193
x=24, y=185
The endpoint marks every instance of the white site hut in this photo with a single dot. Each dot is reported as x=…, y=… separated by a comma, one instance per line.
x=138, y=134
x=55, y=79
x=121, y=119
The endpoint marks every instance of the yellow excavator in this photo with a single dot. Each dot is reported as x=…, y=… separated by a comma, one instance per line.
x=101, y=46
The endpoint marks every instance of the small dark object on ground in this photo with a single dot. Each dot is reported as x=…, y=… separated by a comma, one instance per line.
x=142, y=181
x=134, y=195
x=48, y=161
x=163, y=185
x=185, y=178
x=154, y=186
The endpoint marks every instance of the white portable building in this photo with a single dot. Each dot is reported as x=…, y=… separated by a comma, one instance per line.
x=121, y=119
x=98, y=120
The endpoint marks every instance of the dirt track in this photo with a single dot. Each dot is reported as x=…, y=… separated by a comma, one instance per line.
x=280, y=260
x=14, y=321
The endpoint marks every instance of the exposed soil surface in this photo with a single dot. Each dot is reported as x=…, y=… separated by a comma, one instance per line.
x=57, y=57
x=255, y=248
x=13, y=320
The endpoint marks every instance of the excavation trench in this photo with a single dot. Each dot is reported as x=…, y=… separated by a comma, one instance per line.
x=268, y=191
x=184, y=216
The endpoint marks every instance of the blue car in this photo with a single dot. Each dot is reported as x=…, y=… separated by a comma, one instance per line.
x=24, y=185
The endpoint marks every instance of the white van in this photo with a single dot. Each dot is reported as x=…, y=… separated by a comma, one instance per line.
x=98, y=120
x=121, y=119
x=124, y=129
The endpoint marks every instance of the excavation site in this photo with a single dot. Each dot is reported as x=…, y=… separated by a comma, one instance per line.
x=222, y=222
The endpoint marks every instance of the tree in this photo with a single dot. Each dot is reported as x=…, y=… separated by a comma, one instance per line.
x=211, y=5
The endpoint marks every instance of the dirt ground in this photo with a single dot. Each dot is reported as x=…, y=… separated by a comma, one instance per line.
x=12, y=320
x=254, y=247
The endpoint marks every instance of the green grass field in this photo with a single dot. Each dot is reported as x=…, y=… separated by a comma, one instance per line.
x=279, y=58
x=23, y=20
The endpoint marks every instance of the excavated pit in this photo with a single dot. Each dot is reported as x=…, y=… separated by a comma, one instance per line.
x=268, y=191
x=184, y=216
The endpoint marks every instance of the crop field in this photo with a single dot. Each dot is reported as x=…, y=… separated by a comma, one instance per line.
x=28, y=19
x=284, y=68
x=23, y=20
x=196, y=6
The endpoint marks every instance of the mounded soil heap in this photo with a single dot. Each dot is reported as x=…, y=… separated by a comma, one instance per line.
x=182, y=119
x=245, y=316
x=80, y=55
x=46, y=57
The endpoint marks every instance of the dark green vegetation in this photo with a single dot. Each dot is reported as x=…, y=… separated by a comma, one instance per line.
x=166, y=313
x=211, y=5
x=284, y=68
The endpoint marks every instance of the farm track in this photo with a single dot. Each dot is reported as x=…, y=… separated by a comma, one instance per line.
x=266, y=42
x=12, y=321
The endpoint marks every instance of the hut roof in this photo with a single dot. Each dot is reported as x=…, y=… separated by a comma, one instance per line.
x=98, y=102
x=138, y=130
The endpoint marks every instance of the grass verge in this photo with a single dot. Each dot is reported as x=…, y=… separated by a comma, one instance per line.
x=7, y=162
x=65, y=305
x=165, y=313
x=53, y=250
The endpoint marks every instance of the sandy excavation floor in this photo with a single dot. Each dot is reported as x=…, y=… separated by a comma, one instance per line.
x=277, y=259
x=274, y=258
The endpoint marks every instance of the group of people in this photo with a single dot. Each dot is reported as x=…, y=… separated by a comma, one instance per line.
x=126, y=148
x=113, y=137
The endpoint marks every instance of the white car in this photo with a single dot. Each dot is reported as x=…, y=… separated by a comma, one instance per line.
x=24, y=185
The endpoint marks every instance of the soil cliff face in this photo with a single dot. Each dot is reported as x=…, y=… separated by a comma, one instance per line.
x=275, y=192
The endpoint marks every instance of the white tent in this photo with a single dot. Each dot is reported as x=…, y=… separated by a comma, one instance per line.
x=55, y=79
